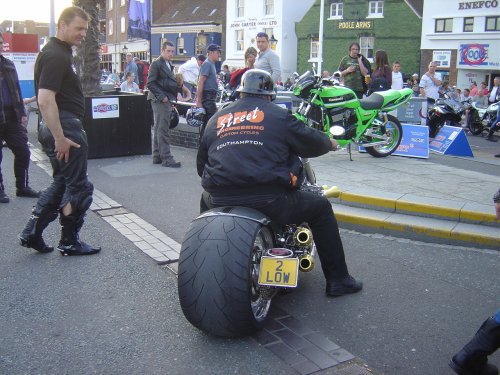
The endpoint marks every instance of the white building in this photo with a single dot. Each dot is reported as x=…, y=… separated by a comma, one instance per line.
x=464, y=37
x=246, y=18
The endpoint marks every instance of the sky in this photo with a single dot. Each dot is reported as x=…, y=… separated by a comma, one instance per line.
x=36, y=10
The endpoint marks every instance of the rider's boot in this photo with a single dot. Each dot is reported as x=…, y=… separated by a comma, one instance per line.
x=70, y=243
x=473, y=358
x=31, y=236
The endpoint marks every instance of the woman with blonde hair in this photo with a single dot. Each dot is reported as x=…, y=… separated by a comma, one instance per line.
x=250, y=57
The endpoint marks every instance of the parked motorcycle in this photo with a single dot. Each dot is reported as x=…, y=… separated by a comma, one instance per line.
x=335, y=109
x=234, y=260
x=480, y=119
x=445, y=111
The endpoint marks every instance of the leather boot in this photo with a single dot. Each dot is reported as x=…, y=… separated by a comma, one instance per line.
x=70, y=243
x=473, y=358
x=31, y=236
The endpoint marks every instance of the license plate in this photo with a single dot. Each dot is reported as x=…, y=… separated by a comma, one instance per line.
x=279, y=271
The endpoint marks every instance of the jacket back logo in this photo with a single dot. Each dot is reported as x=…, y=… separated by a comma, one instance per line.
x=247, y=120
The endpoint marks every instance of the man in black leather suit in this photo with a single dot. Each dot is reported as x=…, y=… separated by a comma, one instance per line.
x=63, y=139
x=249, y=156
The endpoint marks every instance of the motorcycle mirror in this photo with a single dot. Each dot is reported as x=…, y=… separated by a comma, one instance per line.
x=337, y=130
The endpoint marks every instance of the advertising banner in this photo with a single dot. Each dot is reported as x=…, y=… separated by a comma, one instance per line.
x=105, y=108
x=139, y=21
x=451, y=141
x=415, y=142
x=479, y=55
x=414, y=111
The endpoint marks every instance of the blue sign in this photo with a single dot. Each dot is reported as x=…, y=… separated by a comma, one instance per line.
x=415, y=142
x=451, y=141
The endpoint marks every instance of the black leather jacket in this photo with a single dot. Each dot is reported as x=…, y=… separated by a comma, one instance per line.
x=161, y=81
x=254, y=145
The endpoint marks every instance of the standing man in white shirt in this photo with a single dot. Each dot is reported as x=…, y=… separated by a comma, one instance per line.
x=397, y=76
x=430, y=83
x=267, y=60
x=494, y=95
x=190, y=71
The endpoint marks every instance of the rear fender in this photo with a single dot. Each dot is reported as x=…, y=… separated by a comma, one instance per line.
x=395, y=98
x=237, y=211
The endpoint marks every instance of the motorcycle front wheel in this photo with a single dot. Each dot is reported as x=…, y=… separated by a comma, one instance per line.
x=219, y=267
x=394, y=130
x=474, y=124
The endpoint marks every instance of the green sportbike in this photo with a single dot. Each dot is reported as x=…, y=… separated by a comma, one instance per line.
x=334, y=109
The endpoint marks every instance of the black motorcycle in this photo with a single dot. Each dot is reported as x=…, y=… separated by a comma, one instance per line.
x=445, y=111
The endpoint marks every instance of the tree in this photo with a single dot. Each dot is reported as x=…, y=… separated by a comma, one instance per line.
x=87, y=58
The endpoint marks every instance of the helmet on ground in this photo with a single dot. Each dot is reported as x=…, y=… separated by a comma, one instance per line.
x=174, y=118
x=195, y=116
x=257, y=82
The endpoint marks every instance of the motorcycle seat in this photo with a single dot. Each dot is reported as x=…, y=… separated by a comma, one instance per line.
x=374, y=101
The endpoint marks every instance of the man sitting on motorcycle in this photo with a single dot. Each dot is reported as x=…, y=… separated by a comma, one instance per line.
x=250, y=155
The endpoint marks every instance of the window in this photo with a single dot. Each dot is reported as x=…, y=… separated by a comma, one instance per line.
x=122, y=24
x=367, y=43
x=239, y=40
x=314, y=48
x=240, y=8
x=376, y=9
x=110, y=28
x=110, y=5
x=268, y=7
x=180, y=46
x=444, y=25
x=122, y=2
x=269, y=32
x=492, y=24
x=336, y=9
x=468, y=24
x=201, y=44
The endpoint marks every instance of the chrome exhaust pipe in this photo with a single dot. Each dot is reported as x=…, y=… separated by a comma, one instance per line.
x=306, y=262
x=302, y=237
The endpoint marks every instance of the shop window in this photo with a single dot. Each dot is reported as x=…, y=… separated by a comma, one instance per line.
x=180, y=46
x=375, y=9
x=492, y=24
x=240, y=36
x=336, y=9
x=268, y=7
x=468, y=24
x=201, y=44
x=444, y=25
x=240, y=8
x=314, y=48
x=366, y=43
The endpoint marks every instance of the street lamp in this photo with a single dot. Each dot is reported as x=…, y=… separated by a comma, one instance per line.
x=125, y=49
x=273, y=42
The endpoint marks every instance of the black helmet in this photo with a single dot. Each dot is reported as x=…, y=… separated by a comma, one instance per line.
x=257, y=82
x=174, y=118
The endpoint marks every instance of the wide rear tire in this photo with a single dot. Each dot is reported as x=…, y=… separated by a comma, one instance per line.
x=395, y=130
x=218, y=272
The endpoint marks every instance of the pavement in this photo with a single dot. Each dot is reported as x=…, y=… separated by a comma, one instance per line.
x=427, y=192
x=442, y=199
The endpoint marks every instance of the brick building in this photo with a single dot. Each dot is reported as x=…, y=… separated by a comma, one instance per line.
x=391, y=25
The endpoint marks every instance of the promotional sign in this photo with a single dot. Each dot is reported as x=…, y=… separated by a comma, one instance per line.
x=105, y=108
x=415, y=142
x=479, y=55
x=442, y=58
x=451, y=141
x=413, y=111
x=139, y=22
